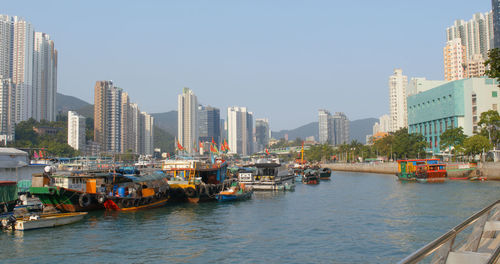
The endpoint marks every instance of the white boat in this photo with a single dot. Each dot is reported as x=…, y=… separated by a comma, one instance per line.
x=42, y=221
x=269, y=175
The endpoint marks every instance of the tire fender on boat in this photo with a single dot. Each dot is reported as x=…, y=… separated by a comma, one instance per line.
x=52, y=191
x=190, y=192
x=84, y=200
x=101, y=198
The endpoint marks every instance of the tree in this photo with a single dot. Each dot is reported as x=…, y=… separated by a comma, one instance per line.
x=490, y=123
x=476, y=144
x=452, y=137
x=493, y=64
x=408, y=145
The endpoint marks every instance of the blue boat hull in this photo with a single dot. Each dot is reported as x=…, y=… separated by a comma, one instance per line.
x=233, y=197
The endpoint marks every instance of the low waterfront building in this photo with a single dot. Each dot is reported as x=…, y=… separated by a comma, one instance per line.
x=454, y=104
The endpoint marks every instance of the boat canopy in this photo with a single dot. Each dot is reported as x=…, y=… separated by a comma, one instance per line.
x=145, y=178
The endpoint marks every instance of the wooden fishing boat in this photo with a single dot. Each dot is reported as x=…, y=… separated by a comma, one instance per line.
x=267, y=175
x=8, y=196
x=77, y=191
x=421, y=170
x=195, y=180
x=237, y=192
x=142, y=192
x=42, y=221
x=325, y=173
x=311, y=177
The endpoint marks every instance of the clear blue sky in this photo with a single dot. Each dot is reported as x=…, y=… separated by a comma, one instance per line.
x=284, y=60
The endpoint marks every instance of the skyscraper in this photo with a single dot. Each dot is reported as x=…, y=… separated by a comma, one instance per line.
x=209, y=124
x=339, y=129
x=324, y=124
x=262, y=133
x=148, y=134
x=397, y=100
x=7, y=108
x=76, y=130
x=476, y=35
x=107, y=116
x=44, y=78
x=240, y=130
x=22, y=67
x=29, y=59
x=187, y=120
x=496, y=23
x=454, y=60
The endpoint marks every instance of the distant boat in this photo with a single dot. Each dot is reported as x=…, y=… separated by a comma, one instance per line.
x=267, y=175
x=421, y=170
x=41, y=221
x=311, y=177
x=325, y=173
x=237, y=192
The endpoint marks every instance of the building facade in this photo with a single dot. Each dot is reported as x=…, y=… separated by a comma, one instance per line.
x=397, y=100
x=107, y=116
x=7, y=109
x=240, y=130
x=496, y=22
x=76, y=131
x=44, y=78
x=475, y=35
x=209, y=124
x=187, y=120
x=454, y=60
x=262, y=134
x=324, y=123
x=454, y=104
x=339, y=129
x=421, y=84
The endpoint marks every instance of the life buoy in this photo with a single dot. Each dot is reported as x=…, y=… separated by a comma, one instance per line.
x=190, y=192
x=52, y=191
x=84, y=200
x=101, y=198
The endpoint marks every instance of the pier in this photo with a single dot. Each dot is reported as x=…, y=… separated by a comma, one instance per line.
x=476, y=240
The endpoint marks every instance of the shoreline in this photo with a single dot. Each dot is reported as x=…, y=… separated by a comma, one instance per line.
x=489, y=169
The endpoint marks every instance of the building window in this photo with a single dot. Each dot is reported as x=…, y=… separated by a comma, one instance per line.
x=445, y=124
x=452, y=123
x=494, y=94
x=440, y=127
x=435, y=141
x=494, y=107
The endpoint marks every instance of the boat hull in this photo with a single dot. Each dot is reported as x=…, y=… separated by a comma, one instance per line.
x=132, y=204
x=45, y=221
x=234, y=197
x=66, y=200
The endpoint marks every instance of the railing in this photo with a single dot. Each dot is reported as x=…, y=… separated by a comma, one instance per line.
x=482, y=245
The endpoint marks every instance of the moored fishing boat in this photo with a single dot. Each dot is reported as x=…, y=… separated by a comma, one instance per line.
x=311, y=177
x=421, y=170
x=267, y=175
x=195, y=180
x=29, y=222
x=237, y=192
x=141, y=192
x=325, y=173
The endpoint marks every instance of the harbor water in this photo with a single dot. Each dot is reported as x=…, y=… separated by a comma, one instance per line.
x=353, y=218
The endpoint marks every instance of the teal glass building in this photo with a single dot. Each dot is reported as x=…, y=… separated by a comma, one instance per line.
x=454, y=104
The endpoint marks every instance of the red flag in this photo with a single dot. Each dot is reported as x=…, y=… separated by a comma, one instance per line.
x=222, y=148
x=226, y=146
x=267, y=152
x=201, y=145
x=213, y=142
x=179, y=146
x=212, y=149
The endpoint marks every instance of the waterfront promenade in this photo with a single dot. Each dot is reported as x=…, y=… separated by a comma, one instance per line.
x=489, y=169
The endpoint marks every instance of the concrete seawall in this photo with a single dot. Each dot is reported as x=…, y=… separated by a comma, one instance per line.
x=488, y=169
